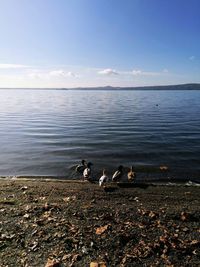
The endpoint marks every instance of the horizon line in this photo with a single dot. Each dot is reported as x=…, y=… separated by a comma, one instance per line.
x=103, y=87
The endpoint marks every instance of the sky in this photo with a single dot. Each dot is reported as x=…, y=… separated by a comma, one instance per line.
x=86, y=43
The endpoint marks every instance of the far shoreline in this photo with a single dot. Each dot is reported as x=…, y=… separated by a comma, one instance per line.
x=170, y=87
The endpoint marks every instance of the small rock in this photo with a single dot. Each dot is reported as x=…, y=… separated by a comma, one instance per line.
x=66, y=199
x=23, y=188
x=52, y=263
x=66, y=257
x=102, y=229
x=84, y=250
x=7, y=237
x=184, y=216
x=97, y=264
x=34, y=246
x=26, y=216
x=75, y=258
x=136, y=199
x=46, y=206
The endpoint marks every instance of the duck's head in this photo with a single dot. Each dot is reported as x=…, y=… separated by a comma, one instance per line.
x=104, y=171
x=89, y=164
x=83, y=162
x=132, y=168
x=120, y=168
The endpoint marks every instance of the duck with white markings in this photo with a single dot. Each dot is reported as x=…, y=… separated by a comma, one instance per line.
x=118, y=174
x=81, y=167
x=87, y=172
x=103, y=179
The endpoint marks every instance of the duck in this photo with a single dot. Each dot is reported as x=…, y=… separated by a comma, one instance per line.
x=118, y=174
x=103, y=179
x=164, y=168
x=131, y=174
x=87, y=171
x=81, y=167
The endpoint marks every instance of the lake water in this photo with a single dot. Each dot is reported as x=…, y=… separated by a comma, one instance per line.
x=48, y=132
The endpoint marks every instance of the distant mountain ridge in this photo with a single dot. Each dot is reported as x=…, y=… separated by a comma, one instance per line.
x=187, y=86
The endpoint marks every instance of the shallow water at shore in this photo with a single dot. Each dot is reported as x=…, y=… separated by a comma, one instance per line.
x=47, y=133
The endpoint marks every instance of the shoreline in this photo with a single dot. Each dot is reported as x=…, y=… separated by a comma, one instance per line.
x=75, y=223
x=148, y=182
x=173, y=87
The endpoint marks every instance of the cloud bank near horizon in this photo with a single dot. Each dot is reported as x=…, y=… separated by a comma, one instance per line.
x=19, y=75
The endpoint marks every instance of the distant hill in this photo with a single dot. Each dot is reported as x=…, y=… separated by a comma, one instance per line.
x=188, y=86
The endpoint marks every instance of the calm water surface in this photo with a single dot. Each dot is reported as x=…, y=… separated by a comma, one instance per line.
x=48, y=132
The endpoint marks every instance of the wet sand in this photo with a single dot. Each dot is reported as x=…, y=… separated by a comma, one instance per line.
x=68, y=223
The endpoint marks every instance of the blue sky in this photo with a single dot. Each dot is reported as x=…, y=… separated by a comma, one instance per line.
x=72, y=43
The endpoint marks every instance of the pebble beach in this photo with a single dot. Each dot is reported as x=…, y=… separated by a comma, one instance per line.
x=75, y=223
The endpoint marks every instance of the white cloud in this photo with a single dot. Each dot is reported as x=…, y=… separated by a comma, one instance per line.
x=79, y=76
x=35, y=75
x=12, y=66
x=108, y=72
x=136, y=72
x=71, y=74
x=62, y=73
x=57, y=73
x=144, y=73
x=44, y=74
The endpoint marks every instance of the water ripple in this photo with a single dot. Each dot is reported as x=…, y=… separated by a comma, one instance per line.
x=47, y=132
